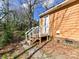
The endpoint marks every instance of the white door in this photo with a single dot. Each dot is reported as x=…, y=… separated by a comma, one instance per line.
x=46, y=25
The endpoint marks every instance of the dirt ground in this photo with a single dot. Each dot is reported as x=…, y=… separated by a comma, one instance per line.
x=51, y=50
x=60, y=51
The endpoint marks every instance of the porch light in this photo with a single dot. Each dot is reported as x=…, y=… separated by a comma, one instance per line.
x=58, y=32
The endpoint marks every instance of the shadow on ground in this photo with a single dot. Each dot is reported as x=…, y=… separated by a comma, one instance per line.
x=33, y=52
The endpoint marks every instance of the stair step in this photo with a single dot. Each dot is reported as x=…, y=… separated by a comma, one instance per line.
x=31, y=40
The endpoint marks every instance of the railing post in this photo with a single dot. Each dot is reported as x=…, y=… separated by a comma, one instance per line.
x=31, y=32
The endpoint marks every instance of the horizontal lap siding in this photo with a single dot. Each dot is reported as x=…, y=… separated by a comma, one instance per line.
x=66, y=21
x=71, y=25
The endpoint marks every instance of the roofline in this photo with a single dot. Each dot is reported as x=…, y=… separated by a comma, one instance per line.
x=66, y=2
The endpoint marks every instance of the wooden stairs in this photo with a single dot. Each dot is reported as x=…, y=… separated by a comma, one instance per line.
x=32, y=35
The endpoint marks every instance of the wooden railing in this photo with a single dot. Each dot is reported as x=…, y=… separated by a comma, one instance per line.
x=32, y=33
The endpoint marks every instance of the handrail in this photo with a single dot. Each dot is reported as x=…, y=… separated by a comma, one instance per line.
x=33, y=30
x=29, y=31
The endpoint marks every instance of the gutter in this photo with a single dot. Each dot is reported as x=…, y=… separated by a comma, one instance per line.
x=66, y=2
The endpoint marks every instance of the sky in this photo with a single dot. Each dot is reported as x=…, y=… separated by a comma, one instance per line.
x=0, y=4
x=39, y=8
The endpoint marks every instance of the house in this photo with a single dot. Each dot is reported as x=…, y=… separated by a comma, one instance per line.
x=61, y=22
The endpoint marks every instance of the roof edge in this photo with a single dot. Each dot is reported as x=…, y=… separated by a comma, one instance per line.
x=66, y=2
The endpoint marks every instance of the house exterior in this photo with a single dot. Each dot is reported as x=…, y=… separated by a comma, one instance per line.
x=61, y=22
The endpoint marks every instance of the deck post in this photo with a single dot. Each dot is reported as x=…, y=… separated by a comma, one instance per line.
x=47, y=38
x=40, y=40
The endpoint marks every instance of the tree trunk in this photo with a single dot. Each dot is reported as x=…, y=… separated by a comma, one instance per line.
x=30, y=17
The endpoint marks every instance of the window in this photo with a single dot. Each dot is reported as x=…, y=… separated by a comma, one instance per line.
x=68, y=42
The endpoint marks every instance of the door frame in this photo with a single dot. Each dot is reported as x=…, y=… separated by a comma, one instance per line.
x=46, y=22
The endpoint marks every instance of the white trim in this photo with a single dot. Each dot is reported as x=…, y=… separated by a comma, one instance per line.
x=66, y=2
x=47, y=24
x=45, y=29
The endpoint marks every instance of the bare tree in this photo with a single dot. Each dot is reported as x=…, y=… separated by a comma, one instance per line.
x=29, y=7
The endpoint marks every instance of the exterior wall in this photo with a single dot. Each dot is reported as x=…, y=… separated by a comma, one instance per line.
x=41, y=24
x=65, y=20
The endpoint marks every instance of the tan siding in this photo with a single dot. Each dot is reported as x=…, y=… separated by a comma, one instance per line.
x=66, y=19
x=70, y=25
x=41, y=24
